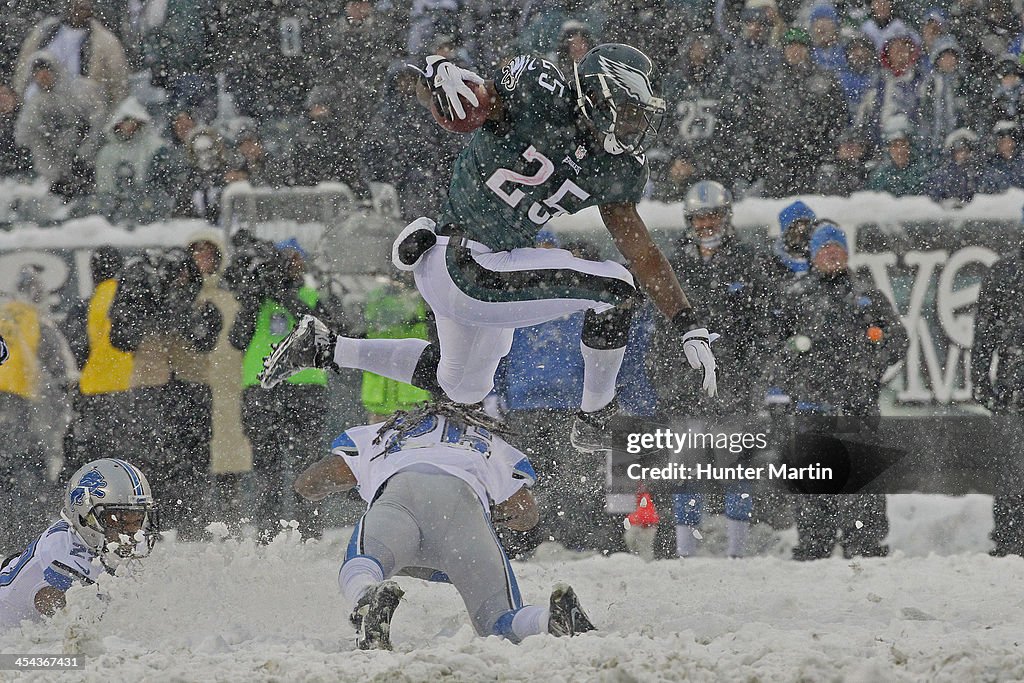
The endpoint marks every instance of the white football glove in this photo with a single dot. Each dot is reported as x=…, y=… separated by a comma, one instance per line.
x=697, y=347
x=446, y=81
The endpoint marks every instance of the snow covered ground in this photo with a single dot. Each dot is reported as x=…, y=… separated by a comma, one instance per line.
x=938, y=609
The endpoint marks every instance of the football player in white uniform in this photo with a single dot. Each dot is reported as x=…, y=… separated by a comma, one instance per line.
x=436, y=480
x=109, y=516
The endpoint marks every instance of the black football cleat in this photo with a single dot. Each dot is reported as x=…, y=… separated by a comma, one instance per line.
x=310, y=345
x=567, y=616
x=591, y=431
x=372, y=616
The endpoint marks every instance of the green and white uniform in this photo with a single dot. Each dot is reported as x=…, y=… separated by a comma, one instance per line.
x=484, y=278
x=513, y=177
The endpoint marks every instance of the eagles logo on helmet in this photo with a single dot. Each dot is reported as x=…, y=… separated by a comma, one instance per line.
x=615, y=92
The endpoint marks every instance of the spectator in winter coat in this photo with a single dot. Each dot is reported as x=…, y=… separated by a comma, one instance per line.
x=131, y=175
x=947, y=99
x=203, y=179
x=847, y=171
x=356, y=76
x=839, y=373
x=902, y=172
x=330, y=147
x=801, y=114
x=574, y=41
x=268, y=53
x=249, y=160
x=827, y=51
x=174, y=46
x=541, y=23
x=896, y=90
x=753, y=58
x=957, y=178
x=156, y=316
x=61, y=126
x=230, y=451
x=933, y=27
x=297, y=408
x=702, y=130
x=1005, y=166
x=860, y=73
x=14, y=159
x=100, y=430
x=1008, y=92
x=83, y=47
x=791, y=248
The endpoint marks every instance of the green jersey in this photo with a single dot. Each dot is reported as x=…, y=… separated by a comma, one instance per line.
x=541, y=161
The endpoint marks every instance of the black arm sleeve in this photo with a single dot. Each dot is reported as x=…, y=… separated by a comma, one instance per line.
x=75, y=329
x=245, y=323
x=203, y=327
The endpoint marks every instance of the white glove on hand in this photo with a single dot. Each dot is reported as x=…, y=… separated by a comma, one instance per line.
x=697, y=347
x=446, y=81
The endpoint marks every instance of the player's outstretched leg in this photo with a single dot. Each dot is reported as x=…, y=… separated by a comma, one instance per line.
x=310, y=345
x=567, y=615
x=603, y=346
x=372, y=616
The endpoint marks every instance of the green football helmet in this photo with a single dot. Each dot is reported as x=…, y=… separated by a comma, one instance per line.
x=615, y=92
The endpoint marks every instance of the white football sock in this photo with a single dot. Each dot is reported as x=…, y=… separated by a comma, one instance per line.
x=600, y=369
x=686, y=540
x=736, y=532
x=393, y=358
x=530, y=620
x=357, y=576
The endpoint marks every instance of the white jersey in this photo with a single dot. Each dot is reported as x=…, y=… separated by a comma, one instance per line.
x=494, y=469
x=57, y=558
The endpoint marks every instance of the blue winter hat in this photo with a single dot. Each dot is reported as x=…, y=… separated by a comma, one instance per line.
x=827, y=233
x=292, y=244
x=824, y=12
x=546, y=236
x=796, y=211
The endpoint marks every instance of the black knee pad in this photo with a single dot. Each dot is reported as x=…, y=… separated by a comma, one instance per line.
x=425, y=375
x=608, y=330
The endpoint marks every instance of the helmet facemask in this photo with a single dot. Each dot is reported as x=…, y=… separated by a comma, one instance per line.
x=128, y=531
x=109, y=504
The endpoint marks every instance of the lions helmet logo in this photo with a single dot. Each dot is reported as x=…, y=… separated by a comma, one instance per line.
x=91, y=484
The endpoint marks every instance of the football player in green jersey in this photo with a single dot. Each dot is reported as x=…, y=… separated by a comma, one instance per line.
x=546, y=146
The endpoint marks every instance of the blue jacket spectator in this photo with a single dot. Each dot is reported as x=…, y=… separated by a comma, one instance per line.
x=826, y=51
x=1005, y=167
x=859, y=73
x=957, y=179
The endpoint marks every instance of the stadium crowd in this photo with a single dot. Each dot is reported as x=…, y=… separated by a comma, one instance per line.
x=143, y=110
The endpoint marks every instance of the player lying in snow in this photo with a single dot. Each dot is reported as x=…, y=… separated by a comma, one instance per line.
x=550, y=145
x=109, y=517
x=436, y=479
